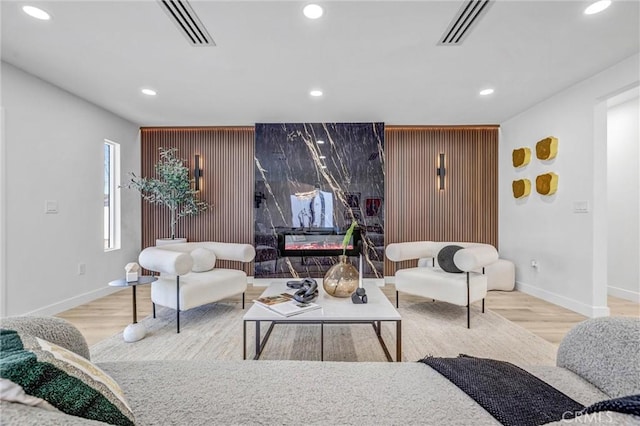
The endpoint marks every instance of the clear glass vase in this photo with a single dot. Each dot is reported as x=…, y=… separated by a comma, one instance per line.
x=342, y=279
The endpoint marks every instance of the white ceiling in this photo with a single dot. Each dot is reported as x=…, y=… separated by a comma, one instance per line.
x=374, y=60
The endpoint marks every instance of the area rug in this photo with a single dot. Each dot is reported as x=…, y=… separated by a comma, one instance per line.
x=428, y=328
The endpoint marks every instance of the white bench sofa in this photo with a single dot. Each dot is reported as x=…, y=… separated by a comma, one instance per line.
x=188, y=276
x=501, y=274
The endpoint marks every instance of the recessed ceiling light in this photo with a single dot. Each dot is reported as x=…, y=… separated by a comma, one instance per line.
x=36, y=13
x=597, y=7
x=320, y=142
x=312, y=11
x=486, y=92
x=316, y=93
x=149, y=92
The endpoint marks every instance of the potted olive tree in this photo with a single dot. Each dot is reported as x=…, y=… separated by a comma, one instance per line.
x=170, y=187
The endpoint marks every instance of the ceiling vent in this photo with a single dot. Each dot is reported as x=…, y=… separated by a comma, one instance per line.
x=188, y=23
x=464, y=21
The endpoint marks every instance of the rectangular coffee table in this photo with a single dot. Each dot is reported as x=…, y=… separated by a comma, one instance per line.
x=333, y=310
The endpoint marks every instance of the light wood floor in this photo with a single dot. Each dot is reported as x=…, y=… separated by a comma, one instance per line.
x=107, y=316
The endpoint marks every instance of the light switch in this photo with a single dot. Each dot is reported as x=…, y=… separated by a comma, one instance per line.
x=51, y=206
x=581, y=207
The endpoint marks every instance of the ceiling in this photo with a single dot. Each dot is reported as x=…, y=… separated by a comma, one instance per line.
x=374, y=60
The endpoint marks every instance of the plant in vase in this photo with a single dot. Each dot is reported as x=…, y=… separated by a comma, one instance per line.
x=342, y=279
x=171, y=188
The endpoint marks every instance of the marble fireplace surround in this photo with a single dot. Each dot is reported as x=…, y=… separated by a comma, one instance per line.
x=317, y=176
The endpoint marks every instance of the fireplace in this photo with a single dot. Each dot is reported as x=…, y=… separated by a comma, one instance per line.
x=316, y=242
x=312, y=181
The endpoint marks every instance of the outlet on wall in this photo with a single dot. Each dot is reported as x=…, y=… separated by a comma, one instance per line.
x=51, y=206
x=82, y=268
x=534, y=264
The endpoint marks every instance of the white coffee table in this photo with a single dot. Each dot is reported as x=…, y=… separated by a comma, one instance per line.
x=333, y=311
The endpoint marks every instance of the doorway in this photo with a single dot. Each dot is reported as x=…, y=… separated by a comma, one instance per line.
x=623, y=195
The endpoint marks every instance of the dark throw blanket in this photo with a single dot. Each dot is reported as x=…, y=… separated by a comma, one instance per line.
x=625, y=405
x=510, y=394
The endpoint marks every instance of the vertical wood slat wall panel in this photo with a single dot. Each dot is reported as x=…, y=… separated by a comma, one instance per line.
x=226, y=159
x=416, y=210
x=467, y=210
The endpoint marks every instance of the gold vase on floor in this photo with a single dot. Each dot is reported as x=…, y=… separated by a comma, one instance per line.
x=341, y=280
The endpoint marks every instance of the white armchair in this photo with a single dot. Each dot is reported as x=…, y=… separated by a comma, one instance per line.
x=456, y=275
x=188, y=276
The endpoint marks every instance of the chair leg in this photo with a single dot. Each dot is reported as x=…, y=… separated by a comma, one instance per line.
x=154, y=309
x=243, y=300
x=178, y=304
x=397, y=301
x=483, y=306
x=468, y=304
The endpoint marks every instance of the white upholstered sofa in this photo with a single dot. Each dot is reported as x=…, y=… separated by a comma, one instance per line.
x=453, y=272
x=188, y=276
x=598, y=360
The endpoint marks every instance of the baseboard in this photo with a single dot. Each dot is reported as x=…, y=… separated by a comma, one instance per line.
x=265, y=282
x=390, y=279
x=380, y=282
x=565, y=302
x=622, y=293
x=56, y=308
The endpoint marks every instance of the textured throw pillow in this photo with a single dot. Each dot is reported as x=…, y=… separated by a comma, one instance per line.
x=13, y=392
x=203, y=260
x=64, y=379
x=445, y=259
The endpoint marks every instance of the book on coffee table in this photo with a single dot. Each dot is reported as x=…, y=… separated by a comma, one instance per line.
x=285, y=305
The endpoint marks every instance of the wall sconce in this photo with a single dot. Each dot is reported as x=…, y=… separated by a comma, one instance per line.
x=441, y=172
x=197, y=173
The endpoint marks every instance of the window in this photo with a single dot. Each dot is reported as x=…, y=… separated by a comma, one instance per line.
x=111, y=195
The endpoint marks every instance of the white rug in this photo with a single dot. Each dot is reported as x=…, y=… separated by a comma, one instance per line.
x=428, y=328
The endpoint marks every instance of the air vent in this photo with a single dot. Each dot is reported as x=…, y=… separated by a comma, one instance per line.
x=188, y=23
x=462, y=24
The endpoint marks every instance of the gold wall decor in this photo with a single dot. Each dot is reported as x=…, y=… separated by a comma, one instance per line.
x=521, y=188
x=521, y=157
x=547, y=184
x=547, y=148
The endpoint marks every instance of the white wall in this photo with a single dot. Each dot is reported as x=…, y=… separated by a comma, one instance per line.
x=623, y=191
x=569, y=247
x=53, y=142
x=3, y=223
